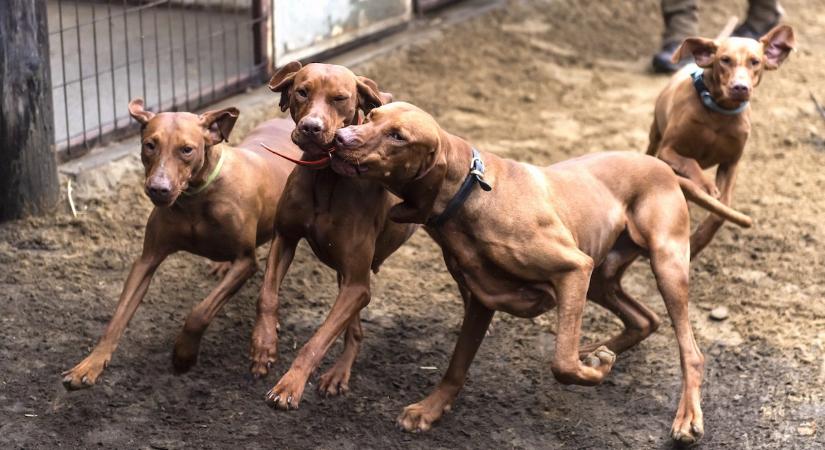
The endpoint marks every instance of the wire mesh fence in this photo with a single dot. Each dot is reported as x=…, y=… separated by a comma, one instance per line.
x=176, y=54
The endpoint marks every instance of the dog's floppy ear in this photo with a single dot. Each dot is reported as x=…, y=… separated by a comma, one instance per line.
x=282, y=82
x=219, y=123
x=701, y=49
x=369, y=96
x=137, y=111
x=433, y=159
x=777, y=44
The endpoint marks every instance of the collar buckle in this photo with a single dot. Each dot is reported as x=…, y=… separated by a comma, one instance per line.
x=475, y=176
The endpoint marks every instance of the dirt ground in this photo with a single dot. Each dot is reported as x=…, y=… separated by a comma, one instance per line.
x=537, y=81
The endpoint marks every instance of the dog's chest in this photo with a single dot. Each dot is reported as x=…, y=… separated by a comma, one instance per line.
x=338, y=217
x=713, y=142
x=212, y=229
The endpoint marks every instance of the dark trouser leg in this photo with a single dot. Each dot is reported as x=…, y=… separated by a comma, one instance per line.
x=681, y=18
x=763, y=15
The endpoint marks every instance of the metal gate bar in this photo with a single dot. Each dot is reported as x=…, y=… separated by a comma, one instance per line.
x=93, y=44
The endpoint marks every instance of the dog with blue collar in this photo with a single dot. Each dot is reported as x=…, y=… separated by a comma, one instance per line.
x=702, y=117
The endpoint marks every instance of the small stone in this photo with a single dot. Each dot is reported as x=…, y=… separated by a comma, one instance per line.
x=806, y=429
x=719, y=313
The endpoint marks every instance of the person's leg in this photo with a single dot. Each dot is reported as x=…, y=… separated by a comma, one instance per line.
x=681, y=18
x=762, y=16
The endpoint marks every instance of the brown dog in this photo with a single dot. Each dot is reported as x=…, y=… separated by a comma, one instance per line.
x=212, y=200
x=706, y=123
x=541, y=237
x=343, y=219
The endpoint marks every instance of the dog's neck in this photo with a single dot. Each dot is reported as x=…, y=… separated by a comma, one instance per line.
x=212, y=154
x=429, y=195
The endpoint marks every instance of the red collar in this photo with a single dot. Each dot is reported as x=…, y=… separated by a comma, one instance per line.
x=318, y=163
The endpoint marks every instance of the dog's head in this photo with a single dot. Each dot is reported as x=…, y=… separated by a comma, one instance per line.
x=737, y=63
x=174, y=147
x=397, y=144
x=321, y=99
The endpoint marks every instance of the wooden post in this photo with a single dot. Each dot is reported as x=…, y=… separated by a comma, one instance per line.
x=262, y=37
x=28, y=170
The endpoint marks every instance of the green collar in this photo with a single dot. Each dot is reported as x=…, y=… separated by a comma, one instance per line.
x=212, y=176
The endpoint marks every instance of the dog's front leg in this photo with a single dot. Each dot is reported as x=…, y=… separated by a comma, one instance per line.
x=187, y=344
x=335, y=381
x=571, y=286
x=420, y=416
x=725, y=179
x=352, y=298
x=86, y=373
x=264, y=346
x=688, y=168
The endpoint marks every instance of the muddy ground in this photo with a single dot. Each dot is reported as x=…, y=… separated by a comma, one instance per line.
x=537, y=81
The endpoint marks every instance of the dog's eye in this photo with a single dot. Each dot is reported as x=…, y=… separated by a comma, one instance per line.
x=301, y=93
x=755, y=62
x=340, y=98
x=186, y=150
x=725, y=59
x=396, y=135
x=149, y=146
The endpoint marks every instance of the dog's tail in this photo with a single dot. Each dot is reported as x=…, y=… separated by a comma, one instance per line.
x=695, y=194
x=727, y=30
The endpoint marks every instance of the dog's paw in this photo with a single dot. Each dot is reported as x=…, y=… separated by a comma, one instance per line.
x=687, y=432
x=712, y=190
x=185, y=353
x=600, y=357
x=287, y=393
x=688, y=426
x=259, y=368
x=421, y=416
x=85, y=374
x=263, y=352
x=334, y=381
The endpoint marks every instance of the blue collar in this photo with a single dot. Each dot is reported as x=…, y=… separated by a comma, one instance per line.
x=476, y=176
x=704, y=94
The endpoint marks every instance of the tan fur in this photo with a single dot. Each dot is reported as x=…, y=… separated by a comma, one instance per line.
x=344, y=221
x=544, y=237
x=692, y=138
x=224, y=222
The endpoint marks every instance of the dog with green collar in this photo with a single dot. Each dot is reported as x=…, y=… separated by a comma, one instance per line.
x=210, y=199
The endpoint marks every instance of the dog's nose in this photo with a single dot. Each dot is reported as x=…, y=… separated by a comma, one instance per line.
x=342, y=138
x=339, y=139
x=159, y=187
x=740, y=89
x=311, y=126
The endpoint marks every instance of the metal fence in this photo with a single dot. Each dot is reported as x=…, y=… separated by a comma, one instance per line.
x=176, y=54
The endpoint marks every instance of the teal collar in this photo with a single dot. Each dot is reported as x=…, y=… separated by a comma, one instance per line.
x=211, y=178
x=697, y=75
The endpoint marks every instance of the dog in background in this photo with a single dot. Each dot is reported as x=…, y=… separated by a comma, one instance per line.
x=702, y=117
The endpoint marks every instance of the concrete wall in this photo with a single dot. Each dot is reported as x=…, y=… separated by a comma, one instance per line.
x=303, y=28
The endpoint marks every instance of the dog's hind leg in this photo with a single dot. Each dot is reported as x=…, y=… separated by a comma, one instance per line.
x=188, y=341
x=606, y=290
x=670, y=264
